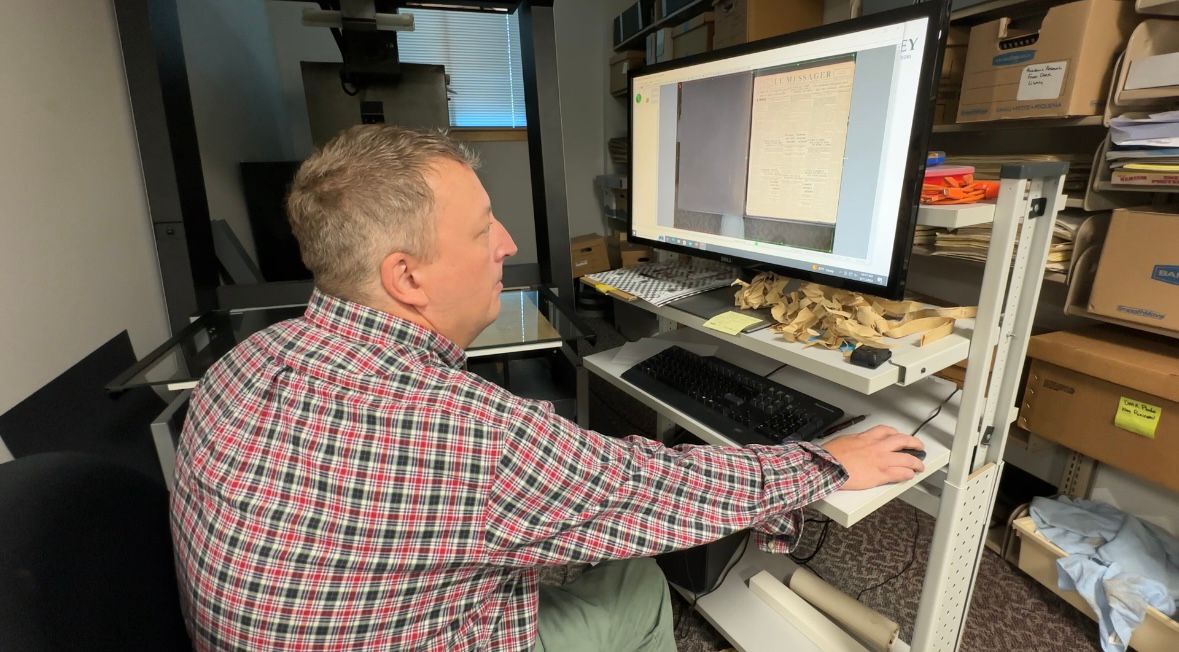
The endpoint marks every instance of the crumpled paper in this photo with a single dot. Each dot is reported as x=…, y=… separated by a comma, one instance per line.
x=817, y=315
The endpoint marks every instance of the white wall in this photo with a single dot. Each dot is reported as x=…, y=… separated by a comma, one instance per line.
x=77, y=259
x=237, y=101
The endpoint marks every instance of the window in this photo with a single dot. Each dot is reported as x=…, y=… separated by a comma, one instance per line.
x=481, y=52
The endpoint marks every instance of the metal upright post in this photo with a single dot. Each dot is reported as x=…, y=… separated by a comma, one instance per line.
x=1029, y=198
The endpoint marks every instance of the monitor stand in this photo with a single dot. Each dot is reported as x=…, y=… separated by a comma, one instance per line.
x=712, y=303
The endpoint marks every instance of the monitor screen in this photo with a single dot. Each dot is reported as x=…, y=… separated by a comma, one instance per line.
x=803, y=154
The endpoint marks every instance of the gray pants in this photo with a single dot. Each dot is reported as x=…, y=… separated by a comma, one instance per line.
x=616, y=606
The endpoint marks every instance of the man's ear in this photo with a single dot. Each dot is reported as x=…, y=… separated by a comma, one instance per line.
x=400, y=279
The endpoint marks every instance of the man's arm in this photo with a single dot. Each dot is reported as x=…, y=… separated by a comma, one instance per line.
x=565, y=494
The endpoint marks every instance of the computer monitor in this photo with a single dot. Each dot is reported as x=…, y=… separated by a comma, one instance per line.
x=802, y=154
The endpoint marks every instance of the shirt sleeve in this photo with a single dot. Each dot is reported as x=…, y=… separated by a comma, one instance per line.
x=563, y=494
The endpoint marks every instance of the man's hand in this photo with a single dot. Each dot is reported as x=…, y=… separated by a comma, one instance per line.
x=873, y=457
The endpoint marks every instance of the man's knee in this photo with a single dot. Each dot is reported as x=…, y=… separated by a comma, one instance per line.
x=647, y=579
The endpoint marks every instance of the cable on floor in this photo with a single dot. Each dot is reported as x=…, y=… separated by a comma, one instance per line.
x=909, y=564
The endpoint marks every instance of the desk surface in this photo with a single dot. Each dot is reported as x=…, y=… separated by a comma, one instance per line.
x=903, y=408
x=529, y=321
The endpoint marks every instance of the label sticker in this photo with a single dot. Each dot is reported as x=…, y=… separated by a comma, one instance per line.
x=1138, y=417
x=1166, y=274
x=1041, y=81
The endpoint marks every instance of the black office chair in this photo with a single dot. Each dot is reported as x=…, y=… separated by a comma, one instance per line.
x=85, y=558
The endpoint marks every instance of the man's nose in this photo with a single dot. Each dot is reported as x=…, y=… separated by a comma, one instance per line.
x=507, y=246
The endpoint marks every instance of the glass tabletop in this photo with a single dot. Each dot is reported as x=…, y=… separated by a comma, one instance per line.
x=529, y=321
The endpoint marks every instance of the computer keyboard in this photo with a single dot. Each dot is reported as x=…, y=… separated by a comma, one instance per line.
x=739, y=404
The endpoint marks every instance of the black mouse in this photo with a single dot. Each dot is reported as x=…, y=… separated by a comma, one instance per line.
x=919, y=454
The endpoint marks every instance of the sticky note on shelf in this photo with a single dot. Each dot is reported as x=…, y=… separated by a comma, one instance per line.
x=1138, y=417
x=731, y=322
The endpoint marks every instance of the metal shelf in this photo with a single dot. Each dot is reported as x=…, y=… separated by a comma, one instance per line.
x=956, y=216
x=903, y=408
x=909, y=363
x=638, y=41
x=1025, y=123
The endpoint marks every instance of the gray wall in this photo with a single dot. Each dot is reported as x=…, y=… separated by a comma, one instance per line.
x=77, y=260
x=237, y=101
x=581, y=72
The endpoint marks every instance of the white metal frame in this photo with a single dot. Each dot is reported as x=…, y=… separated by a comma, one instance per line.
x=1024, y=220
x=1024, y=216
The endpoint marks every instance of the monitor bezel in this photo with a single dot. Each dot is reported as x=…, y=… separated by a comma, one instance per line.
x=937, y=26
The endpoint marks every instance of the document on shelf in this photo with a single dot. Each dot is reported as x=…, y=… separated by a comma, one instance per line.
x=797, y=140
x=1155, y=129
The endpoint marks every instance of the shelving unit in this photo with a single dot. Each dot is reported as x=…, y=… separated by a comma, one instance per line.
x=637, y=41
x=1046, y=123
x=896, y=405
x=964, y=443
x=956, y=216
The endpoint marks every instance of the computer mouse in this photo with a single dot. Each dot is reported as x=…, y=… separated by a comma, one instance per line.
x=919, y=454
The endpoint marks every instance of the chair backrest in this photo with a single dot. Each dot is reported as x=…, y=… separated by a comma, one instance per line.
x=85, y=558
x=75, y=412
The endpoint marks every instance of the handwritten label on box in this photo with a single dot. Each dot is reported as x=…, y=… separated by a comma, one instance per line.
x=1138, y=417
x=1041, y=81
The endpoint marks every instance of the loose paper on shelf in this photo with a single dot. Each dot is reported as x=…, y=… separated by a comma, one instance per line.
x=731, y=322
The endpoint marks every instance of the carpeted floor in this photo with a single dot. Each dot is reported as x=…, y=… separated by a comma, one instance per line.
x=1009, y=610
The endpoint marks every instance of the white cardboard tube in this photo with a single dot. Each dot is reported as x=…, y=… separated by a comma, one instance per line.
x=826, y=635
x=864, y=623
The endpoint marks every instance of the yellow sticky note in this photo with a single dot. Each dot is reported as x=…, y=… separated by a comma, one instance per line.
x=1138, y=417
x=730, y=322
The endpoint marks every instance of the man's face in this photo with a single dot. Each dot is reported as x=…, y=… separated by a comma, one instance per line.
x=464, y=280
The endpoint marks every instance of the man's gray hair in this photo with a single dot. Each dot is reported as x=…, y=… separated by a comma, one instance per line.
x=364, y=195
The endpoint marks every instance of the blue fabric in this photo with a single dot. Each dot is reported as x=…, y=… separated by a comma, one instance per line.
x=1118, y=563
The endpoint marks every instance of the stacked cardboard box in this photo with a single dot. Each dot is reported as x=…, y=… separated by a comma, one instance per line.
x=1052, y=64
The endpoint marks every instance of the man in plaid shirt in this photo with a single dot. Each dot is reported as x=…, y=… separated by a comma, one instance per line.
x=342, y=483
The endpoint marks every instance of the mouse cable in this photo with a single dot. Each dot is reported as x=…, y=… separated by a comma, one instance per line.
x=801, y=560
x=909, y=564
x=937, y=411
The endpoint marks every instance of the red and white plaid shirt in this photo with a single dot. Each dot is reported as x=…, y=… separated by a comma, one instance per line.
x=343, y=484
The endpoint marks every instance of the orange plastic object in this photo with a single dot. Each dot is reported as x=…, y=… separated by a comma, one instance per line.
x=957, y=189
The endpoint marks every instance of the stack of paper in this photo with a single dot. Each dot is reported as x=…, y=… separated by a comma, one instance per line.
x=1145, y=149
x=925, y=235
x=973, y=242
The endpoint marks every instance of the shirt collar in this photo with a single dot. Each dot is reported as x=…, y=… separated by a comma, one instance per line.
x=358, y=322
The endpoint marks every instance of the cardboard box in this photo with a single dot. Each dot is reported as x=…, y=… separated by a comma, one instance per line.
x=620, y=65
x=1044, y=65
x=658, y=46
x=693, y=37
x=632, y=255
x=589, y=254
x=1038, y=557
x=1108, y=393
x=1137, y=279
x=741, y=21
x=954, y=59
